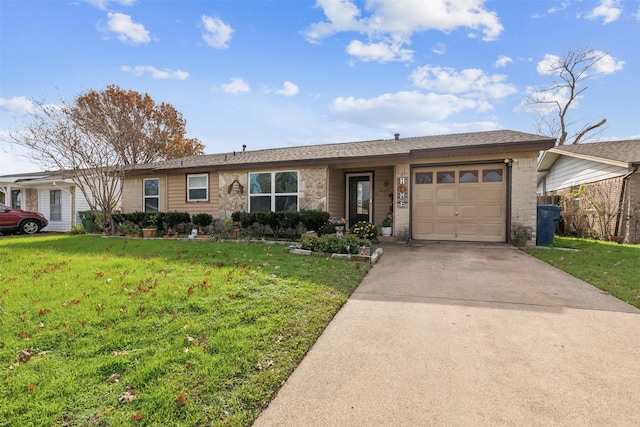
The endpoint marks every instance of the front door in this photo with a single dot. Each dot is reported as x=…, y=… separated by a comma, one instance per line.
x=359, y=203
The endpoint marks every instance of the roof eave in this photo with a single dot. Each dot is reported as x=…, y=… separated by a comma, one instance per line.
x=509, y=147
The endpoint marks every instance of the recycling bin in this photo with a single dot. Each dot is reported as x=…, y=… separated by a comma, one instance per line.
x=547, y=218
x=87, y=221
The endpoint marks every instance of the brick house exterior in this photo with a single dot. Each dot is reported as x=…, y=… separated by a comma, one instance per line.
x=611, y=166
x=463, y=187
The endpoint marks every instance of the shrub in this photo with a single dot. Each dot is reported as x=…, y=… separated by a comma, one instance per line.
x=202, y=219
x=77, y=229
x=327, y=229
x=309, y=242
x=365, y=230
x=174, y=218
x=313, y=219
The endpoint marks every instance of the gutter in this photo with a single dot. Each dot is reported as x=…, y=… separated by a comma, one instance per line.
x=621, y=201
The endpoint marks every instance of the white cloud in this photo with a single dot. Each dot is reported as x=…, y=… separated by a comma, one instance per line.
x=126, y=30
x=140, y=70
x=546, y=101
x=288, y=89
x=396, y=110
x=104, y=4
x=608, y=10
x=380, y=52
x=607, y=64
x=217, y=34
x=502, y=61
x=439, y=49
x=16, y=105
x=470, y=82
x=237, y=85
x=391, y=22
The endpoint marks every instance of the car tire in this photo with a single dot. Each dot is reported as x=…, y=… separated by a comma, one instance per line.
x=29, y=226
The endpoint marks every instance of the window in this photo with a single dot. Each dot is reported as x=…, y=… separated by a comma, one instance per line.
x=273, y=191
x=16, y=200
x=424, y=177
x=469, y=176
x=198, y=187
x=55, y=205
x=446, y=177
x=151, y=194
x=492, y=175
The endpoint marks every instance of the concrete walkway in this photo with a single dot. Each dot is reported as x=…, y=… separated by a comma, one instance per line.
x=465, y=335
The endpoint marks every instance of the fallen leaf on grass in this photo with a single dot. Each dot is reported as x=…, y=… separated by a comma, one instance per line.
x=31, y=388
x=137, y=416
x=129, y=395
x=113, y=378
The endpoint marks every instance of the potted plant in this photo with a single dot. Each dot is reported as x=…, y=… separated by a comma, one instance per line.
x=150, y=229
x=201, y=220
x=129, y=229
x=386, y=226
x=233, y=228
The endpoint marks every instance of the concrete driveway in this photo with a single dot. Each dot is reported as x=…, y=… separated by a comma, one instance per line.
x=467, y=334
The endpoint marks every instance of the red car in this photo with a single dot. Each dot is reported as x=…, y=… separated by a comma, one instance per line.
x=12, y=220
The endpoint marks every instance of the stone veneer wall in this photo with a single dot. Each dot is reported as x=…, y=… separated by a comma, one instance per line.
x=401, y=216
x=234, y=190
x=523, y=199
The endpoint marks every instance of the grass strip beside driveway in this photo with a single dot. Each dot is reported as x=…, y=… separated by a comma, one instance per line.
x=114, y=332
x=608, y=266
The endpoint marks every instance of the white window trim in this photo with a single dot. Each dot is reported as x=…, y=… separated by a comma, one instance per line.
x=273, y=193
x=144, y=195
x=206, y=187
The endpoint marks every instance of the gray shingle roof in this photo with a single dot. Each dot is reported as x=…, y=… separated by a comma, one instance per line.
x=627, y=151
x=355, y=150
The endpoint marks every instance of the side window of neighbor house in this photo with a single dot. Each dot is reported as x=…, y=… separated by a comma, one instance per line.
x=198, y=187
x=16, y=200
x=55, y=205
x=151, y=194
x=273, y=191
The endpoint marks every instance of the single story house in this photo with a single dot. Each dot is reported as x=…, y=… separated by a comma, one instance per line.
x=49, y=193
x=613, y=165
x=478, y=187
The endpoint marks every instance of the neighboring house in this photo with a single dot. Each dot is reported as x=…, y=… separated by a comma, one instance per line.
x=612, y=165
x=49, y=193
x=468, y=187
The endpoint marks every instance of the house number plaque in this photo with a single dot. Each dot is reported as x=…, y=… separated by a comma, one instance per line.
x=403, y=195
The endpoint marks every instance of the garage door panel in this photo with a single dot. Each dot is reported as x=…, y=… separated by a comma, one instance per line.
x=446, y=194
x=468, y=194
x=468, y=210
x=492, y=193
x=445, y=211
x=425, y=194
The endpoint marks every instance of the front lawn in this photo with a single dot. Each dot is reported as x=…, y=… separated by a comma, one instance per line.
x=113, y=332
x=609, y=266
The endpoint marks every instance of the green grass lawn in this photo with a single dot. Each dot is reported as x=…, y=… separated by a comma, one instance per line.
x=116, y=332
x=609, y=266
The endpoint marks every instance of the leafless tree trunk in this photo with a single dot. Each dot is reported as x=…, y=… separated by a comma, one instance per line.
x=567, y=74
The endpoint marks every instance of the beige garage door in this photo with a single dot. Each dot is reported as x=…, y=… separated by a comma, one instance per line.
x=466, y=203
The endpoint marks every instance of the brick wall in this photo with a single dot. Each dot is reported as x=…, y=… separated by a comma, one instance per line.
x=523, y=200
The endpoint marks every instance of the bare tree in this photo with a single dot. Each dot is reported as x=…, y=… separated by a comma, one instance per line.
x=567, y=74
x=94, y=139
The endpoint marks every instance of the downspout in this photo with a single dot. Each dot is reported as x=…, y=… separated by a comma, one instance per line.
x=509, y=163
x=621, y=201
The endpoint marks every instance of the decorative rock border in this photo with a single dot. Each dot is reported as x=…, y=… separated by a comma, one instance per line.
x=373, y=258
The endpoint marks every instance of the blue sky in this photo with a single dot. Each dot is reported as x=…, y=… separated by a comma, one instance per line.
x=292, y=72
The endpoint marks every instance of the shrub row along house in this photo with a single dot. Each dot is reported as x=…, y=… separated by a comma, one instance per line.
x=468, y=187
x=598, y=187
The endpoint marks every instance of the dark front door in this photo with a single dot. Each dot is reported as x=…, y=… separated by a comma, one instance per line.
x=359, y=201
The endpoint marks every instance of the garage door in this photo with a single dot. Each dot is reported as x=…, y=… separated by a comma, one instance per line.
x=466, y=203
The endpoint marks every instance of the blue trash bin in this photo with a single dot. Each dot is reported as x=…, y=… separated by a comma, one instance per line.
x=548, y=216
